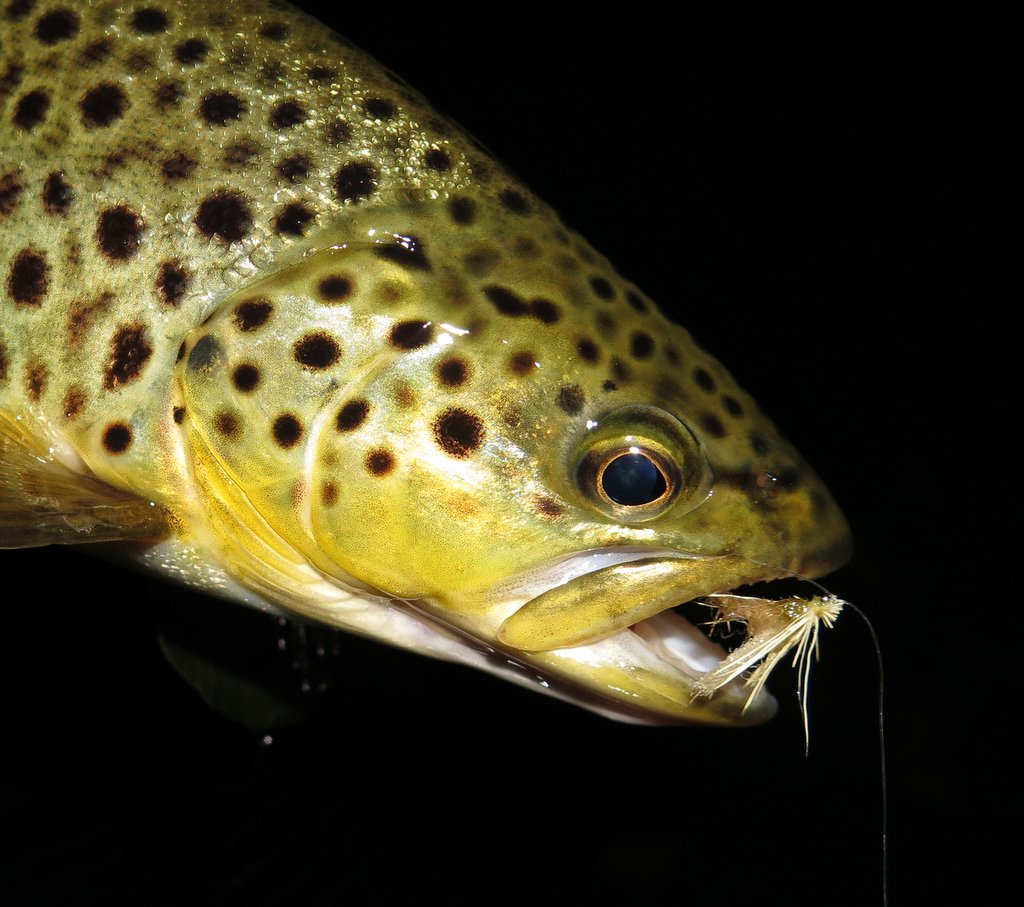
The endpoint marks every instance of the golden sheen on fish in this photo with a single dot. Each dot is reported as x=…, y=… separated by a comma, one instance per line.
x=295, y=339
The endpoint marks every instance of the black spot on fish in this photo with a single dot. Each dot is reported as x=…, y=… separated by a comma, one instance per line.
x=117, y=437
x=10, y=78
x=459, y=432
x=732, y=406
x=287, y=430
x=18, y=9
x=672, y=355
x=641, y=345
x=178, y=166
x=571, y=399
x=354, y=181
x=191, y=52
x=10, y=192
x=453, y=372
x=513, y=201
x=31, y=109
x=224, y=215
x=178, y=414
x=588, y=350
x=380, y=462
x=334, y=288
x=102, y=105
x=130, y=350
x=245, y=377
x=704, y=380
x=275, y=31
x=319, y=73
x=240, y=153
x=74, y=400
x=352, y=415
x=29, y=277
x=316, y=351
x=252, y=314
x=149, y=21
x=294, y=168
x=329, y=494
x=293, y=219
x=58, y=25
x=219, y=108
x=620, y=371
x=172, y=282
x=410, y=335
x=407, y=252
x=95, y=52
x=547, y=507
x=168, y=94
x=205, y=355
x=602, y=289
x=712, y=425
x=436, y=159
x=119, y=232
x=506, y=301
x=636, y=302
x=462, y=210
x=57, y=195
x=338, y=133
x=379, y=108
x=759, y=445
x=544, y=311
x=522, y=363
x=227, y=424
x=36, y=376
x=287, y=115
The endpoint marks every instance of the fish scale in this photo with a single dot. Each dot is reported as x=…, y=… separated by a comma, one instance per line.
x=254, y=283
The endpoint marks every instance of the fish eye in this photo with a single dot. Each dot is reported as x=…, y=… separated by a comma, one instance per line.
x=632, y=479
x=638, y=461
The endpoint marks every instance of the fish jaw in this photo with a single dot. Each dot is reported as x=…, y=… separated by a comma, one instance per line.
x=642, y=665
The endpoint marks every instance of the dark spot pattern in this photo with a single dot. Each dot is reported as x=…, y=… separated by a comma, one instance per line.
x=436, y=159
x=31, y=109
x=672, y=355
x=252, y=314
x=588, y=350
x=168, y=94
x=219, y=108
x=178, y=166
x=319, y=73
x=338, y=133
x=609, y=386
x=352, y=415
x=287, y=430
x=329, y=494
x=18, y=9
x=191, y=52
x=29, y=277
x=57, y=195
x=462, y=210
x=10, y=78
x=641, y=345
x=10, y=192
x=732, y=406
x=355, y=181
x=275, y=31
x=119, y=232
x=178, y=414
x=172, y=282
x=571, y=399
x=224, y=215
x=36, y=376
x=149, y=21
x=294, y=168
x=636, y=302
x=245, y=377
x=602, y=289
x=102, y=105
x=712, y=425
x=459, y=432
x=522, y=363
x=620, y=371
x=759, y=445
x=379, y=108
x=704, y=380
x=407, y=252
x=453, y=372
x=58, y=25
x=513, y=201
x=117, y=437
x=509, y=303
x=227, y=424
x=130, y=350
x=547, y=507
x=95, y=52
x=545, y=311
x=240, y=153
x=380, y=462
x=316, y=351
x=334, y=288
x=74, y=400
x=410, y=335
x=287, y=115
x=293, y=219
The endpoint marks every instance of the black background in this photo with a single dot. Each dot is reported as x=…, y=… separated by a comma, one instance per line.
x=815, y=197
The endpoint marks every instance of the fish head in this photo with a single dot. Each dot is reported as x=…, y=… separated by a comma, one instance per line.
x=462, y=408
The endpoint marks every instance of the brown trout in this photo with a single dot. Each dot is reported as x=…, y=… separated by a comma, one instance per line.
x=296, y=340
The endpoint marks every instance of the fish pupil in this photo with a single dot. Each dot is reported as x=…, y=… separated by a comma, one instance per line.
x=632, y=479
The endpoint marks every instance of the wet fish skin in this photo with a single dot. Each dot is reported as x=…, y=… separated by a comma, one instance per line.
x=349, y=356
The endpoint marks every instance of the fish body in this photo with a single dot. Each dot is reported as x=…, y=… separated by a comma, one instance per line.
x=302, y=343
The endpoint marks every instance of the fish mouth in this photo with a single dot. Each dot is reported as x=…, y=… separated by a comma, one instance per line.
x=602, y=629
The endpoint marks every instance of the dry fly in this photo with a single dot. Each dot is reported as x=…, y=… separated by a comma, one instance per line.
x=774, y=628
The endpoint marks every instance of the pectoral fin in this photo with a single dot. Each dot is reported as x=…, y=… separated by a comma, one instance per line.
x=43, y=501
